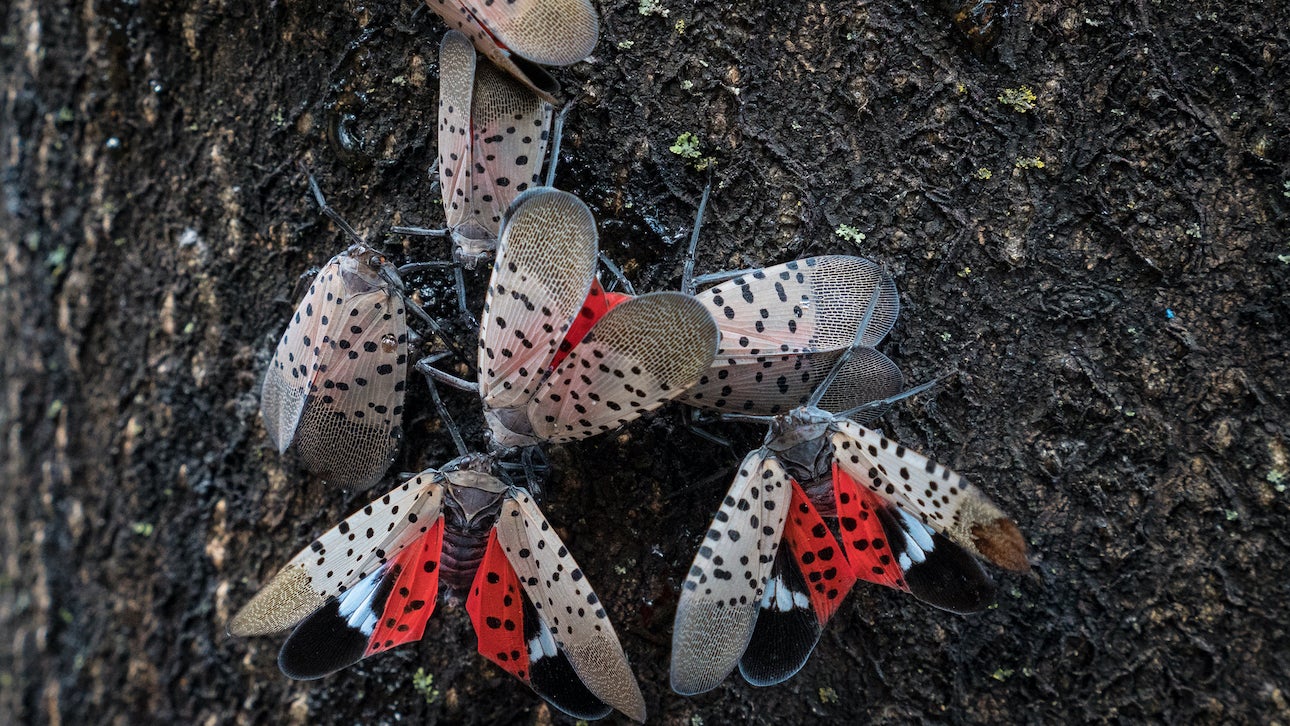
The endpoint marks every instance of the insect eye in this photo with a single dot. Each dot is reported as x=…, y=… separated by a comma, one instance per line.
x=376, y=261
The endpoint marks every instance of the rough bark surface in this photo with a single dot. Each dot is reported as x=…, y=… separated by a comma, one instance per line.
x=1107, y=272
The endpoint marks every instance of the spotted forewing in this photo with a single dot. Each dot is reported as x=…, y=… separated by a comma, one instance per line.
x=639, y=355
x=493, y=135
x=334, y=389
x=521, y=36
x=721, y=596
x=538, y=383
x=784, y=327
x=546, y=263
x=939, y=497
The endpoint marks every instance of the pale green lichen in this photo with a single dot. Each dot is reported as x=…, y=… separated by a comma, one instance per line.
x=828, y=695
x=1020, y=99
x=652, y=7
x=424, y=684
x=849, y=233
x=687, y=147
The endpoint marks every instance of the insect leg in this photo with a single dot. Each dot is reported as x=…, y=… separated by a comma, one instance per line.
x=557, y=131
x=687, y=273
x=332, y=214
x=617, y=273
x=444, y=416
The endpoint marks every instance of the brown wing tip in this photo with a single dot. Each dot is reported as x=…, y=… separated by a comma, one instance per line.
x=1002, y=543
x=242, y=624
x=281, y=604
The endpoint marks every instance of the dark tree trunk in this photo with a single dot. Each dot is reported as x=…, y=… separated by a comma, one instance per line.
x=1107, y=272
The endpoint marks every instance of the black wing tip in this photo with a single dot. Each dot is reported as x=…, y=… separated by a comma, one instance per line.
x=321, y=645
x=781, y=644
x=583, y=714
x=951, y=579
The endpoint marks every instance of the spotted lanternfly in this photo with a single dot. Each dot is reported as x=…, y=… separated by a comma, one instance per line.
x=493, y=136
x=371, y=583
x=540, y=378
x=784, y=327
x=520, y=36
x=771, y=571
x=334, y=389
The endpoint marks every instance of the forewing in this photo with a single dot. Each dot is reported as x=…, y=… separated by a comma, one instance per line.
x=343, y=556
x=812, y=304
x=510, y=129
x=775, y=383
x=456, y=90
x=640, y=355
x=938, y=496
x=387, y=608
x=548, y=32
x=546, y=261
x=528, y=73
x=351, y=427
x=294, y=364
x=720, y=598
x=569, y=610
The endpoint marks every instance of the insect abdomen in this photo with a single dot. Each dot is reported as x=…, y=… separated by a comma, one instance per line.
x=463, y=550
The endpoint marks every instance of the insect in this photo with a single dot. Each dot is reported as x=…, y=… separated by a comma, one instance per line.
x=493, y=136
x=550, y=371
x=771, y=571
x=521, y=36
x=784, y=327
x=334, y=389
x=372, y=582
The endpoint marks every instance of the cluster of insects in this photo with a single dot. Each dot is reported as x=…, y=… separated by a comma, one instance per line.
x=823, y=503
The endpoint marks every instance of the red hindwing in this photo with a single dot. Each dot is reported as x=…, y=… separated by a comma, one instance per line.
x=411, y=602
x=825, y=569
x=863, y=537
x=598, y=303
x=496, y=610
